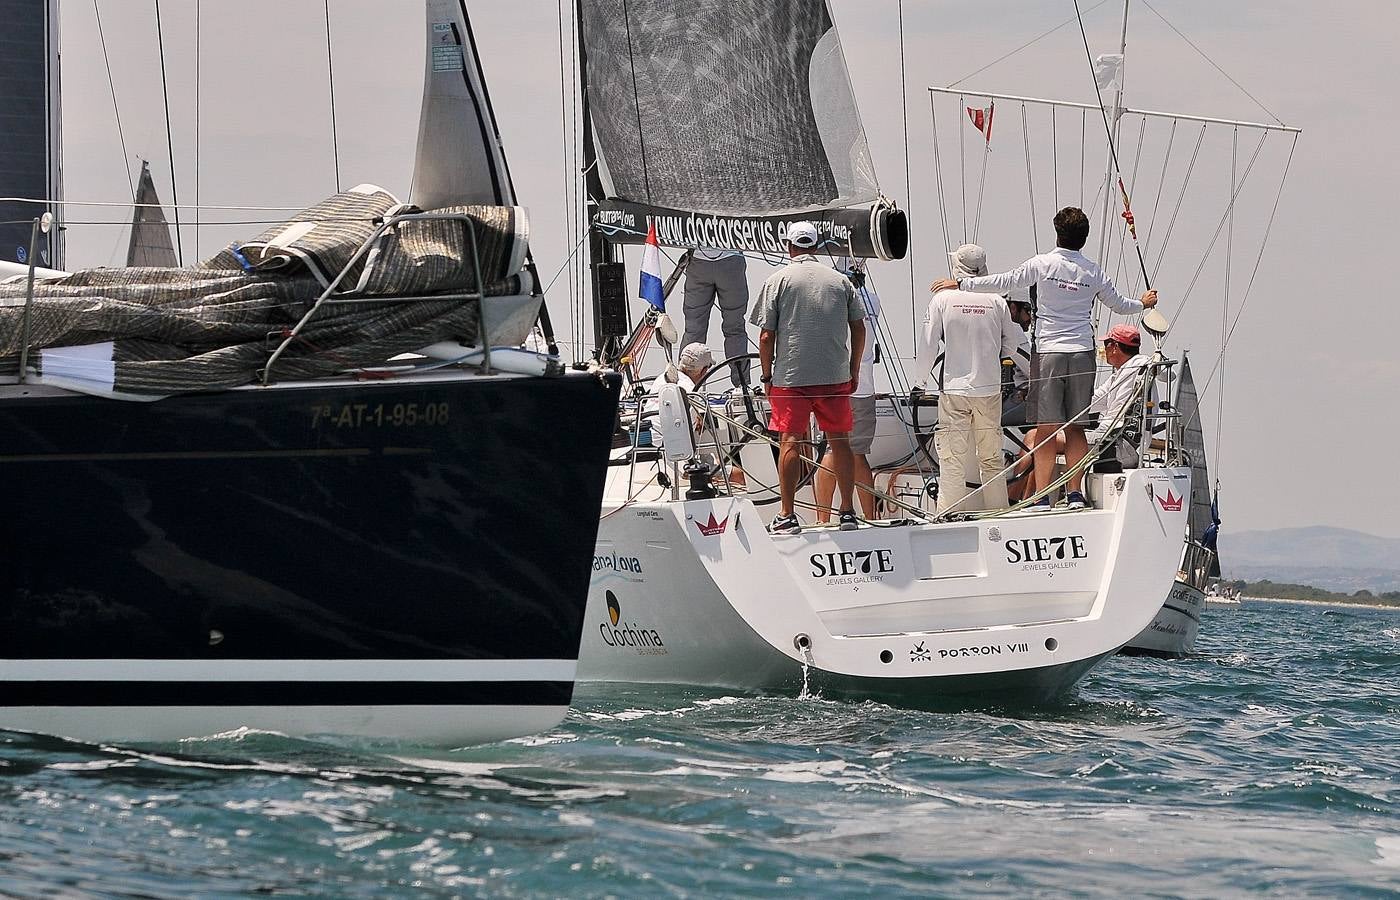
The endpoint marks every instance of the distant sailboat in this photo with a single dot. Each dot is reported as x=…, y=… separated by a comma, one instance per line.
x=150, y=244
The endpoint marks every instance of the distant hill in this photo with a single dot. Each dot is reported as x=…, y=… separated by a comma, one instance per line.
x=1336, y=559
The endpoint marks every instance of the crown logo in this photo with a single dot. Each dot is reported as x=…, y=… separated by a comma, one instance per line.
x=712, y=527
x=1171, y=502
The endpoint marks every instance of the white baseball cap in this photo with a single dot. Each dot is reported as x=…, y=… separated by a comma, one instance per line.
x=802, y=234
x=696, y=356
x=969, y=261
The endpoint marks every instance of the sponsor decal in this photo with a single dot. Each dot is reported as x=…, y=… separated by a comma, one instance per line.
x=1046, y=548
x=620, y=634
x=21, y=255
x=623, y=222
x=984, y=650
x=994, y=534
x=1171, y=502
x=615, y=563
x=920, y=653
x=712, y=528
x=853, y=566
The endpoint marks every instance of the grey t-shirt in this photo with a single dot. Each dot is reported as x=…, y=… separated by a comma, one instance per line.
x=808, y=305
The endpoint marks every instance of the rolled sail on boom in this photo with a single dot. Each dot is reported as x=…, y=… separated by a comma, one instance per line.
x=724, y=122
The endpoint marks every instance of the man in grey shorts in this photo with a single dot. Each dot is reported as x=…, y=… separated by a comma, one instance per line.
x=1062, y=367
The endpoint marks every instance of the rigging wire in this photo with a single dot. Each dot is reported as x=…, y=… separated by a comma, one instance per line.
x=330, y=80
x=169, y=143
x=1225, y=306
x=938, y=179
x=1249, y=286
x=962, y=165
x=1157, y=201
x=568, y=168
x=1033, y=40
x=1180, y=198
x=1213, y=63
x=112, y=88
x=1219, y=226
x=1112, y=144
x=1030, y=183
x=197, y=5
x=908, y=183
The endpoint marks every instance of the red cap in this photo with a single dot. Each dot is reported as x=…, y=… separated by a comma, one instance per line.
x=1125, y=334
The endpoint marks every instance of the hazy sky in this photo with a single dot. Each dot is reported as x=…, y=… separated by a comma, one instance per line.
x=1308, y=365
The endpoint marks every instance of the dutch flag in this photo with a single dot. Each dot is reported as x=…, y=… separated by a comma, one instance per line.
x=650, y=289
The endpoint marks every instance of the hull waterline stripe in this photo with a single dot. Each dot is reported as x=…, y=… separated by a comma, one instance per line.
x=285, y=693
x=356, y=670
x=1185, y=612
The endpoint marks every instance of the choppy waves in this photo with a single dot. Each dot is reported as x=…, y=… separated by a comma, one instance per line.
x=1268, y=763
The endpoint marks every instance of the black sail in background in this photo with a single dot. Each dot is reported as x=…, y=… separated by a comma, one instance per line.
x=29, y=126
x=150, y=243
x=722, y=121
x=1188, y=408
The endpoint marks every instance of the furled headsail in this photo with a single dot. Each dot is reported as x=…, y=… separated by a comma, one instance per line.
x=723, y=122
x=150, y=243
x=30, y=153
x=459, y=160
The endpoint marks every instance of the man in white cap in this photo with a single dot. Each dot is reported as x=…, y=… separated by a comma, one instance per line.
x=977, y=333
x=812, y=336
x=1062, y=368
x=692, y=364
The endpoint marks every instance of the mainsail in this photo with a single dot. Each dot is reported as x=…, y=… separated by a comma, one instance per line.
x=30, y=152
x=150, y=243
x=721, y=122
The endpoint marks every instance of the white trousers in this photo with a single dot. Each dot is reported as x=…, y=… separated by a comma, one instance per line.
x=968, y=425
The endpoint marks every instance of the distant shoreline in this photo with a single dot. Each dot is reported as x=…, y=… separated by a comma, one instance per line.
x=1320, y=602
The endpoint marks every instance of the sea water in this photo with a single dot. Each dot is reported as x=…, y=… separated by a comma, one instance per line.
x=1268, y=763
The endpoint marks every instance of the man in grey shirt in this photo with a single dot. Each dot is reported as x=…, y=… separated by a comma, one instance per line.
x=805, y=312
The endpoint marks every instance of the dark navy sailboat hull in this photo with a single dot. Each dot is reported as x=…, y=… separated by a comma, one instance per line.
x=361, y=540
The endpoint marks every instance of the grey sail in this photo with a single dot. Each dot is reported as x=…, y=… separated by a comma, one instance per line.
x=719, y=122
x=29, y=120
x=150, y=243
x=1188, y=408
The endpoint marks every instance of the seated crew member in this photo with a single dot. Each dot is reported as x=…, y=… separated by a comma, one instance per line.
x=1121, y=347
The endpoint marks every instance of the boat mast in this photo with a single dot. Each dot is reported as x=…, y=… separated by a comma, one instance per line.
x=1117, y=123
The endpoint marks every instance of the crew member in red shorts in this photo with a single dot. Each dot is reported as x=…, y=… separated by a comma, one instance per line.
x=812, y=335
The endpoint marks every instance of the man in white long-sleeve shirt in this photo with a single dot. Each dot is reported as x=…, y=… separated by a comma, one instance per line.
x=1062, y=367
x=977, y=333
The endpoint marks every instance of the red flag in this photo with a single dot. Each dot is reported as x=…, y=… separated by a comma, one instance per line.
x=982, y=119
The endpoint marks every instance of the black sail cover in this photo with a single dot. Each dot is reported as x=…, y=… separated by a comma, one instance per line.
x=721, y=121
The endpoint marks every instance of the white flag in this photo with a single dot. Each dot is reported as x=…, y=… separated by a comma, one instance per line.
x=1108, y=71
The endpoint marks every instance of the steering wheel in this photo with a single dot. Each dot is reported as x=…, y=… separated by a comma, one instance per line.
x=746, y=390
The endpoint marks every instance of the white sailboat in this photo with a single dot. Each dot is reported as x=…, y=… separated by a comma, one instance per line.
x=688, y=586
